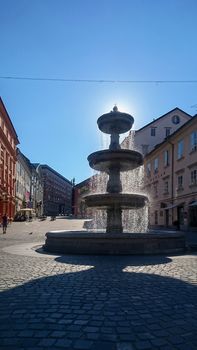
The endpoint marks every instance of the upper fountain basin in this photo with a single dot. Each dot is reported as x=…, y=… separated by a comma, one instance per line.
x=110, y=200
x=115, y=122
x=122, y=159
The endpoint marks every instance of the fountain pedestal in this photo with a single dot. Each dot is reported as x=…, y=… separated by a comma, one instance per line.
x=114, y=220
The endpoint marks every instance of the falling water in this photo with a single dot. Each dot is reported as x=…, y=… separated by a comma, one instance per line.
x=132, y=182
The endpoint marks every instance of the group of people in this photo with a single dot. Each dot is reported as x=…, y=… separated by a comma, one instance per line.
x=4, y=223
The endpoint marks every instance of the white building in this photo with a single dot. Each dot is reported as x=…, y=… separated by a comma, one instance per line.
x=23, y=181
x=153, y=133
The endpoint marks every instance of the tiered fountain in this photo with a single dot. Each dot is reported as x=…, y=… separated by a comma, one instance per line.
x=113, y=161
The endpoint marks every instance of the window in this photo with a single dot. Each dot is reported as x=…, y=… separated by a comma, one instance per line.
x=153, y=131
x=176, y=119
x=167, y=132
x=180, y=149
x=194, y=177
x=180, y=182
x=166, y=158
x=144, y=149
x=156, y=217
x=155, y=189
x=148, y=169
x=193, y=140
x=166, y=187
x=156, y=165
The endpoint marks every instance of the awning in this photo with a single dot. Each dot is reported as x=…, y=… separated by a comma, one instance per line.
x=193, y=204
x=171, y=206
x=174, y=206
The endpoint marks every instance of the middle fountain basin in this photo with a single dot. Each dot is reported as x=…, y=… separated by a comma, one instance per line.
x=122, y=159
x=123, y=200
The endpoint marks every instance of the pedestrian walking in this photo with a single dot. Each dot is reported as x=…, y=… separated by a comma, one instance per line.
x=4, y=223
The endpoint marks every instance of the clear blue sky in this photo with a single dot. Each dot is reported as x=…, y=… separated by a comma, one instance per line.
x=92, y=39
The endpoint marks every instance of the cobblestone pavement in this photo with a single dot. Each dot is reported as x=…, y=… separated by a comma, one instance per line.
x=94, y=302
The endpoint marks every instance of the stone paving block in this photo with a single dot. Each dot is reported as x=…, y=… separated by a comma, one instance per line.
x=143, y=345
x=107, y=330
x=26, y=342
x=74, y=327
x=146, y=335
x=109, y=337
x=161, y=333
x=82, y=344
x=19, y=326
x=91, y=329
x=10, y=341
x=176, y=339
x=98, y=318
x=127, y=337
x=58, y=334
x=159, y=341
x=109, y=324
x=101, y=345
x=47, y=342
x=74, y=335
x=121, y=330
x=65, y=322
x=95, y=323
x=7, y=334
x=41, y=334
x=80, y=322
x=167, y=347
x=63, y=343
x=83, y=317
x=92, y=336
x=125, y=346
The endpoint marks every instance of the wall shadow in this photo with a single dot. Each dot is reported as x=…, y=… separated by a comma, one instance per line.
x=102, y=307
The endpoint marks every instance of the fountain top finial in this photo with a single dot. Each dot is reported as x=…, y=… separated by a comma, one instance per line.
x=115, y=109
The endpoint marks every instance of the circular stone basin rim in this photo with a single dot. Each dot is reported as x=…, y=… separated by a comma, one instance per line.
x=123, y=159
x=115, y=122
x=122, y=200
x=124, y=235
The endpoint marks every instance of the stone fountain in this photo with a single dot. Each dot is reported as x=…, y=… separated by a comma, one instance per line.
x=114, y=161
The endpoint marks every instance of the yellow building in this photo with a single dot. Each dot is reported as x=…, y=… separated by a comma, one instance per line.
x=171, y=179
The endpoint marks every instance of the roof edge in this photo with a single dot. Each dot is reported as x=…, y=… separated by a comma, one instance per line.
x=9, y=119
x=162, y=116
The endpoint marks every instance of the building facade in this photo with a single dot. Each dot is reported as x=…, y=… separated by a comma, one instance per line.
x=57, y=192
x=80, y=190
x=171, y=179
x=147, y=137
x=95, y=184
x=23, y=182
x=8, y=143
x=36, y=189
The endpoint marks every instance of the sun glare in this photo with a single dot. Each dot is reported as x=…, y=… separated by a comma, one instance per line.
x=122, y=107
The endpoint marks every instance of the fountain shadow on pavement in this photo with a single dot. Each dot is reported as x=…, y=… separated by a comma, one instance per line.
x=106, y=305
x=120, y=261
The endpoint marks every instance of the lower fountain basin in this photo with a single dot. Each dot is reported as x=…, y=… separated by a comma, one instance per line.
x=123, y=200
x=89, y=243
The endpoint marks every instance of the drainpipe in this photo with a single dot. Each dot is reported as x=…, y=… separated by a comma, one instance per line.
x=172, y=177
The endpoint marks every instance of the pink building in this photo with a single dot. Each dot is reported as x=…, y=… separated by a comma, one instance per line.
x=171, y=179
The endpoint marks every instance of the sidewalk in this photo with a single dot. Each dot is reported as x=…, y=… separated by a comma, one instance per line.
x=94, y=302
